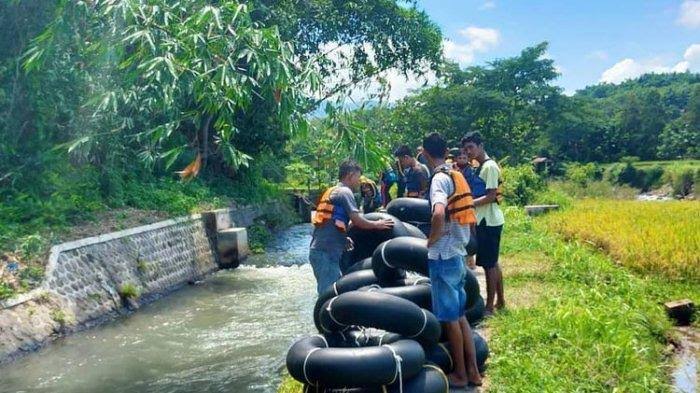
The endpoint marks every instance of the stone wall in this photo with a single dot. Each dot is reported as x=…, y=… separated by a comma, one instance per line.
x=94, y=279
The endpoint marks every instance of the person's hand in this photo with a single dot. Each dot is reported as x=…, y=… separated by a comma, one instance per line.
x=349, y=244
x=383, y=224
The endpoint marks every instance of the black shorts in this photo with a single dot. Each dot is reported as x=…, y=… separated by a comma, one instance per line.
x=488, y=244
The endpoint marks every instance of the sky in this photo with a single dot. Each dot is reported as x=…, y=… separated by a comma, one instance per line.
x=591, y=41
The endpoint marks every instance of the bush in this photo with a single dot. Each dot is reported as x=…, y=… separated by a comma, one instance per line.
x=129, y=291
x=627, y=174
x=520, y=184
x=6, y=291
x=595, y=189
x=582, y=173
x=552, y=196
x=682, y=179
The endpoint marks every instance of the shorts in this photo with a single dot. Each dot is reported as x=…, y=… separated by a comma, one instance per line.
x=326, y=267
x=488, y=244
x=447, y=277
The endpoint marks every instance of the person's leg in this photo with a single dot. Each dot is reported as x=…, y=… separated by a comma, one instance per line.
x=500, y=300
x=491, y=285
x=458, y=377
x=485, y=258
x=472, y=368
x=496, y=245
x=471, y=262
x=326, y=267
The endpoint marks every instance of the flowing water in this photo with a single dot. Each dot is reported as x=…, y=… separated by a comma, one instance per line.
x=228, y=334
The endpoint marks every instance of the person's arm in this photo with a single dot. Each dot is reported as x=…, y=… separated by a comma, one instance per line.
x=437, y=223
x=490, y=197
x=348, y=202
x=424, y=184
x=363, y=223
x=438, y=197
x=491, y=174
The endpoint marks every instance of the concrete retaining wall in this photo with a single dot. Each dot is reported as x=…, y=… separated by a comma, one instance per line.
x=91, y=280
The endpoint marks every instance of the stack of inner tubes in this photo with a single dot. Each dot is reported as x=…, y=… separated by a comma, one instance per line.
x=376, y=329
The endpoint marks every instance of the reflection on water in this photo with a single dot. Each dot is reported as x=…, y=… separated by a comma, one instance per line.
x=229, y=334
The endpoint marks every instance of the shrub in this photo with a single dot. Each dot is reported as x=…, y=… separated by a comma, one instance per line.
x=595, y=189
x=582, y=173
x=682, y=179
x=6, y=291
x=129, y=291
x=520, y=184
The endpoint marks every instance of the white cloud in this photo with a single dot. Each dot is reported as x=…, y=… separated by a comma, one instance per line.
x=630, y=68
x=479, y=39
x=689, y=15
x=692, y=54
x=462, y=54
x=488, y=5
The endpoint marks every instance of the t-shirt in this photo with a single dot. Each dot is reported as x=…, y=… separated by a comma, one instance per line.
x=456, y=236
x=327, y=236
x=490, y=173
x=417, y=177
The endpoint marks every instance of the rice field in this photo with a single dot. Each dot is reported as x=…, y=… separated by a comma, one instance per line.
x=648, y=237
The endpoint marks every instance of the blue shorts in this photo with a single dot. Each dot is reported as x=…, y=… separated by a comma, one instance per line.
x=447, y=277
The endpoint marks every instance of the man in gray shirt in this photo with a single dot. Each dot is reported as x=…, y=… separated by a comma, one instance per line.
x=334, y=212
x=452, y=213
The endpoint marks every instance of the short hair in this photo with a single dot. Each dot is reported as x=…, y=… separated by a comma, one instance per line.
x=473, y=137
x=435, y=145
x=347, y=167
x=403, y=150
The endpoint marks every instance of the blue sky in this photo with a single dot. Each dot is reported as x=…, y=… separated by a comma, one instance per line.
x=590, y=40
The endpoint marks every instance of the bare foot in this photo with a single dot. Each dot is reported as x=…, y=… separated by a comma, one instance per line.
x=500, y=305
x=475, y=378
x=457, y=381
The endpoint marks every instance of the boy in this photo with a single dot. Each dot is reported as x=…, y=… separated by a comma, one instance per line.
x=452, y=215
x=334, y=211
x=484, y=183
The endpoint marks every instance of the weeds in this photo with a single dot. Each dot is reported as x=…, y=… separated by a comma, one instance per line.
x=129, y=291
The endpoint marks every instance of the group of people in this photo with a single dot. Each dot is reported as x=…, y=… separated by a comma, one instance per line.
x=463, y=187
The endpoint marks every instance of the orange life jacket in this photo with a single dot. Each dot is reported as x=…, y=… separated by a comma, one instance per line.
x=460, y=205
x=326, y=211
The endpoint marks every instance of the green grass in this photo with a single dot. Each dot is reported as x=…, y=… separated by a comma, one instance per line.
x=129, y=291
x=663, y=163
x=576, y=321
x=289, y=385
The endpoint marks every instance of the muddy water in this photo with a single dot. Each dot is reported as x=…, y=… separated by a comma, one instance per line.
x=228, y=334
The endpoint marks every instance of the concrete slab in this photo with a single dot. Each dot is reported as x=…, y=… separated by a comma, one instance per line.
x=232, y=246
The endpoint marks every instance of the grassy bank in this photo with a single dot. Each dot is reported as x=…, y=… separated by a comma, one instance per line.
x=576, y=321
x=649, y=237
x=77, y=207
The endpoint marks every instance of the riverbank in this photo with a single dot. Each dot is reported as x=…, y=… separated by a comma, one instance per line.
x=575, y=318
x=93, y=280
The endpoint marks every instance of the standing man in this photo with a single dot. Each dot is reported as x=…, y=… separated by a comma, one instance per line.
x=334, y=211
x=417, y=174
x=452, y=215
x=484, y=181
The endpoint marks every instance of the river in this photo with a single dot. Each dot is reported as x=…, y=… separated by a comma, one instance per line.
x=230, y=333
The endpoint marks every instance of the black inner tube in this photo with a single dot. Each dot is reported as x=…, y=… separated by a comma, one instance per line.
x=411, y=210
x=312, y=361
x=365, y=241
x=382, y=311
